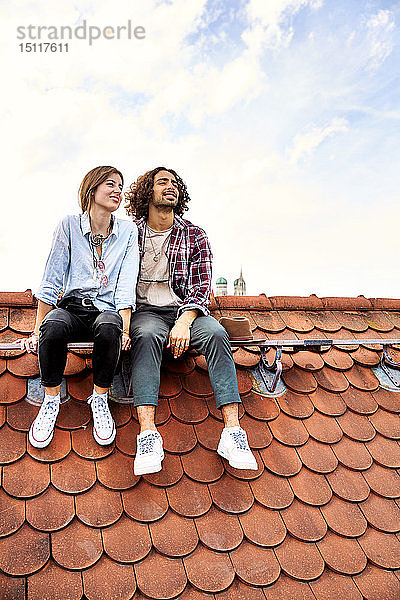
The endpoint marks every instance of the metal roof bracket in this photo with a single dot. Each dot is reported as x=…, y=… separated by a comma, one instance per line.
x=267, y=377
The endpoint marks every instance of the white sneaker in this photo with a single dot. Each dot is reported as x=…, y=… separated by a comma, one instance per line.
x=233, y=446
x=104, y=430
x=149, y=453
x=42, y=428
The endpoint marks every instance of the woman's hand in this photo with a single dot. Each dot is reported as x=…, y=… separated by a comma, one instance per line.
x=179, y=338
x=29, y=344
x=126, y=341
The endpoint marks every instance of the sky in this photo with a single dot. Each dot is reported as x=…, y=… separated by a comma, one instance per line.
x=282, y=117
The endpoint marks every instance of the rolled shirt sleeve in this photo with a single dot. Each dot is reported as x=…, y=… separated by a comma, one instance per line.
x=56, y=265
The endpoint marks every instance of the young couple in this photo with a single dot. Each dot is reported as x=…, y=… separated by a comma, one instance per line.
x=95, y=260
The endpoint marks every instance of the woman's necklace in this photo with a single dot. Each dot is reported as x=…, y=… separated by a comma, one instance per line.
x=96, y=240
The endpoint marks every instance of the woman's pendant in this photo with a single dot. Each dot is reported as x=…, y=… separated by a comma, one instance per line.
x=101, y=265
x=104, y=281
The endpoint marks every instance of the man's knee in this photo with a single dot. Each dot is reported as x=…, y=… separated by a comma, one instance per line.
x=214, y=332
x=148, y=332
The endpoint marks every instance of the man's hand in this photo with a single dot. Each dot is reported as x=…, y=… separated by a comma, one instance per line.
x=179, y=338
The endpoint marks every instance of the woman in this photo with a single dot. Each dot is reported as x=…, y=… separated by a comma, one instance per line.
x=94, y=262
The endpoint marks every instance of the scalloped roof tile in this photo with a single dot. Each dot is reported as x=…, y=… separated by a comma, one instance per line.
x=319, y=519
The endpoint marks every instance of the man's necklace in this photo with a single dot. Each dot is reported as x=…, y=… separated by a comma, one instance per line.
x=156, y=253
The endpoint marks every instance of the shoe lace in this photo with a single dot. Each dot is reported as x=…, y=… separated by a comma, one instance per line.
x=240, y=440
x=146, y=443
x=49, y=414
x=100, y=411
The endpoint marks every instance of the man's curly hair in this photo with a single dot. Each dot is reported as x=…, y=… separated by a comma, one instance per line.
x=141, y=192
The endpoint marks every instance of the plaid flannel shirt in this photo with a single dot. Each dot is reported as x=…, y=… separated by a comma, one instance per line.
x=190, y=263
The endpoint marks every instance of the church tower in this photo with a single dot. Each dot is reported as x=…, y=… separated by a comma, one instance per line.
x=239, y=286
x=221, y=287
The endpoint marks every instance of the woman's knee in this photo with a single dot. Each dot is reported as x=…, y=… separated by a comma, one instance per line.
x=108, y=325
x=56, y=324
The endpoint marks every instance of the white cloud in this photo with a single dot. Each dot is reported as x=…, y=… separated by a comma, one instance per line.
x=380, y=28
x=305, y=143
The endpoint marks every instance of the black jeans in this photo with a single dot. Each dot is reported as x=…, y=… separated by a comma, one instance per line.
x=69, y=324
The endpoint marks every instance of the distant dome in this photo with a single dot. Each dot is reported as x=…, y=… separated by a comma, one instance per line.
x=236, y=281
x=222, y=280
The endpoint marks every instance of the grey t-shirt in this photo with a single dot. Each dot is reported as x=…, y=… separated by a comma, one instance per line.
x=153, y=286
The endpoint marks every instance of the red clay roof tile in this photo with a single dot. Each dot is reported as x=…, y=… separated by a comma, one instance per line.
x=170, y=473
x=219, y=531
x=12, y=389
x=73, y=475
x=98, y=507
x=379, y=321
x=30, y=546
x=309, y=361
x=288, y=431
x=187, y=409
x=364, y=404
x=387, y=400
x=116, y=471
x=77, y=546
x=365, y=358
x=80, y=386
x=197, y=383
x=208, y=570
x=342, y=555
x=281, y=460
x=304, y=522
x=338, y=360
x=82, y=444
x=50, y=511
x=377, y=584
x=382, y=549
x=272, y=491
x=334, y=585
x=174, y=535
x=145, y=502
x=4, y=314
x=381, y=513
x=24, y=366
x=384, y=482
x=254, y=565
x=73, y=415
x=263, y=526
x=300, y=560
x=208, y=433
x=311, y=488
x=126, y=438
x=239, y=591
x=55, y=583
x=269, y=321
x=318, y=457
x=384, y=451
x=296, y=321
x=296, y=302
x=362, y=379
x=22, y=320
x=121, y=413
x=328, y=403
x=12, y=514
x=127, y=541
x=170, y=385
x=356, y=427
x=180, y=366
x=160, y=577
x=99, y=581
x=286, y=588
x=3, y=365
x=258, y=407
x=231, y=495
x=244, y=358
x=202, y=465
x=331, y=380
x=20, y=415
x=300, y=381
x=295, y=405
x=387, y=424
x=57, y=450
x=348, y=485
x=322, y=428
x=13, y=444
x=343, y=304
x=177, y=437
x=189, y=498
x=324, y=321
x=26, y=478
x=352, y=454
x=344, y=518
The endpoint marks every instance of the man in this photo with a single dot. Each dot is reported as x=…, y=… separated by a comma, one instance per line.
x=173, y=294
